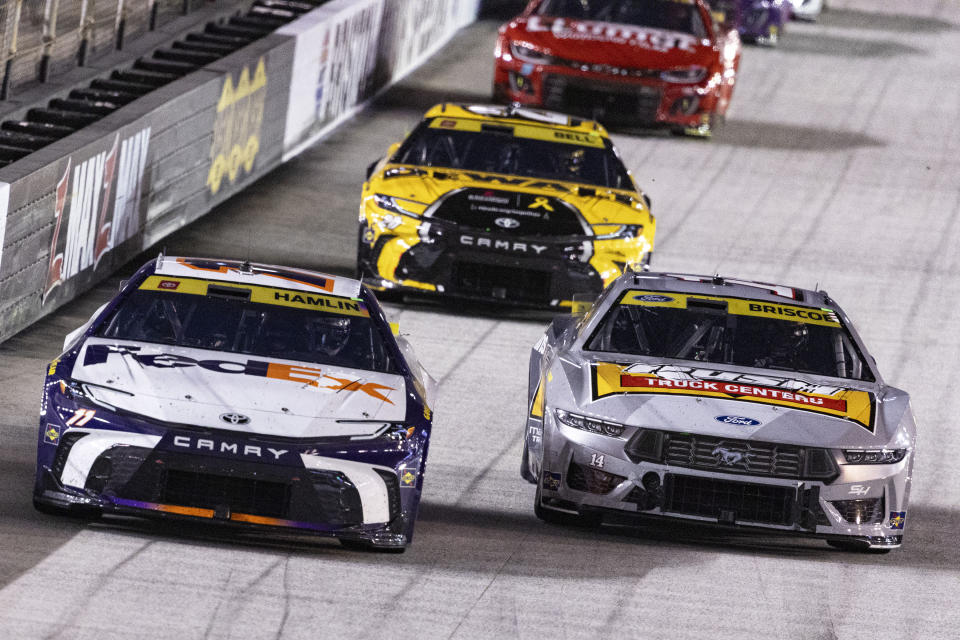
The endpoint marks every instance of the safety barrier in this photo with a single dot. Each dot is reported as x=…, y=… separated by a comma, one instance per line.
x=75, y=210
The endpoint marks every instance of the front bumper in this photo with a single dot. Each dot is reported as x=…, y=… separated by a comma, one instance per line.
x=865, y=504
x=546, y=274
x=614, y=100
x=371, y=498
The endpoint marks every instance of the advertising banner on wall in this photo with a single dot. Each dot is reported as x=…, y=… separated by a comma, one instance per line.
x=4, y=205
x=334, y=62
x=97, y=205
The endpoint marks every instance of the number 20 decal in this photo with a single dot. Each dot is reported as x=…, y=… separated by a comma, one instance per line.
x=81, y=417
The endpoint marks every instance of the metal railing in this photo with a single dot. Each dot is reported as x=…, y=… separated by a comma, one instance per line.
x=42, y=38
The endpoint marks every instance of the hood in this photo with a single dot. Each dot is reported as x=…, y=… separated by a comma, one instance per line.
x=620, y=45
x=597, y=205
x=270, y=396
x=800, y=410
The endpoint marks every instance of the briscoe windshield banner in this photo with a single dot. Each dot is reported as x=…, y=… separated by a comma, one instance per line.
x=97, y=206
x=612, y=379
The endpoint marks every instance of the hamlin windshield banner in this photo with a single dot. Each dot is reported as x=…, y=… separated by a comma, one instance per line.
x=614, y=379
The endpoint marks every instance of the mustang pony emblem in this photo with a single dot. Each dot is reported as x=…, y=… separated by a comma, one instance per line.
x=727, y=457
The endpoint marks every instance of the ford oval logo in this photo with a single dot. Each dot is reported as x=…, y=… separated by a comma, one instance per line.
x=234, y=418
x=653, y=298
x=507, y=223
x=739, y=420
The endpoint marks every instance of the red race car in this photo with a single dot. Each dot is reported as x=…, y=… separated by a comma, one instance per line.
x=627, y=63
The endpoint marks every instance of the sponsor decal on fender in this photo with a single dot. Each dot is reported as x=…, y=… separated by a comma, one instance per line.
x=97, y=219
x=236, y=130
x=305, y=375
x=611, y=379
x=52, y=433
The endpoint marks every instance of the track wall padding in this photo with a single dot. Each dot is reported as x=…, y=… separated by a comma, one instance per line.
x=73, y=212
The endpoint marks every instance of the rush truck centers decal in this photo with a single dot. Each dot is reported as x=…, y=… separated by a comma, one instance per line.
x=612, y=379
x=97, y=220
x=236, y=130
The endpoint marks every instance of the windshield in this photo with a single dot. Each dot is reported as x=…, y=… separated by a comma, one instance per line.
x=730, y=331
x=671, y=15
x=262, y=321
x=451, y=143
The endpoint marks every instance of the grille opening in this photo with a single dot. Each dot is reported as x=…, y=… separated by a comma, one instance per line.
x=209, y=491
x=863, y=511
x=583, y=478
x=728, y=455
x=502, y=282
x=393, y=492
x=730, y=501
x=67, y=441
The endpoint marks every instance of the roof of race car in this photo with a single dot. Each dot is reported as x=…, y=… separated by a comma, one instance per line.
x=266, y=275
x=518, y=115
x=719, y=285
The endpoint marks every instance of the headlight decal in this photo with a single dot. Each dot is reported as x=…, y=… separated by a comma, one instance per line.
x=874, y=456
x=591, y=425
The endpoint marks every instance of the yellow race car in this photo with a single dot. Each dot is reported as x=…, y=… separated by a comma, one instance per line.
x=502, y=203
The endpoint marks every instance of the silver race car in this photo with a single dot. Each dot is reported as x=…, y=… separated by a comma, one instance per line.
x=732, y=403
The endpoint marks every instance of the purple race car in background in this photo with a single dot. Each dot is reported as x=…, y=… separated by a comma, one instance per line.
x=759, y=21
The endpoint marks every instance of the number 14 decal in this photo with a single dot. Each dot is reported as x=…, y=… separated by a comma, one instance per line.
x=596, y=460
x=81, y=417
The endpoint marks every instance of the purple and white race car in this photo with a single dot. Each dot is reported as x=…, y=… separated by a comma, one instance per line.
x=241, y=394
x=759, y=21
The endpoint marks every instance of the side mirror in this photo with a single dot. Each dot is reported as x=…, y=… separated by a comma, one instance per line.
x=581, y=304
x=123, y=283
x=372, y=167
x=719, y=16
x=646, y=199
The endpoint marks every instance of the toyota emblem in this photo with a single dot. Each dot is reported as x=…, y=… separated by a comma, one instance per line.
x=507, y=223
x=234, y=418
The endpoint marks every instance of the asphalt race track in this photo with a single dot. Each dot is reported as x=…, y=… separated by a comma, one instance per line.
x=839, y=166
